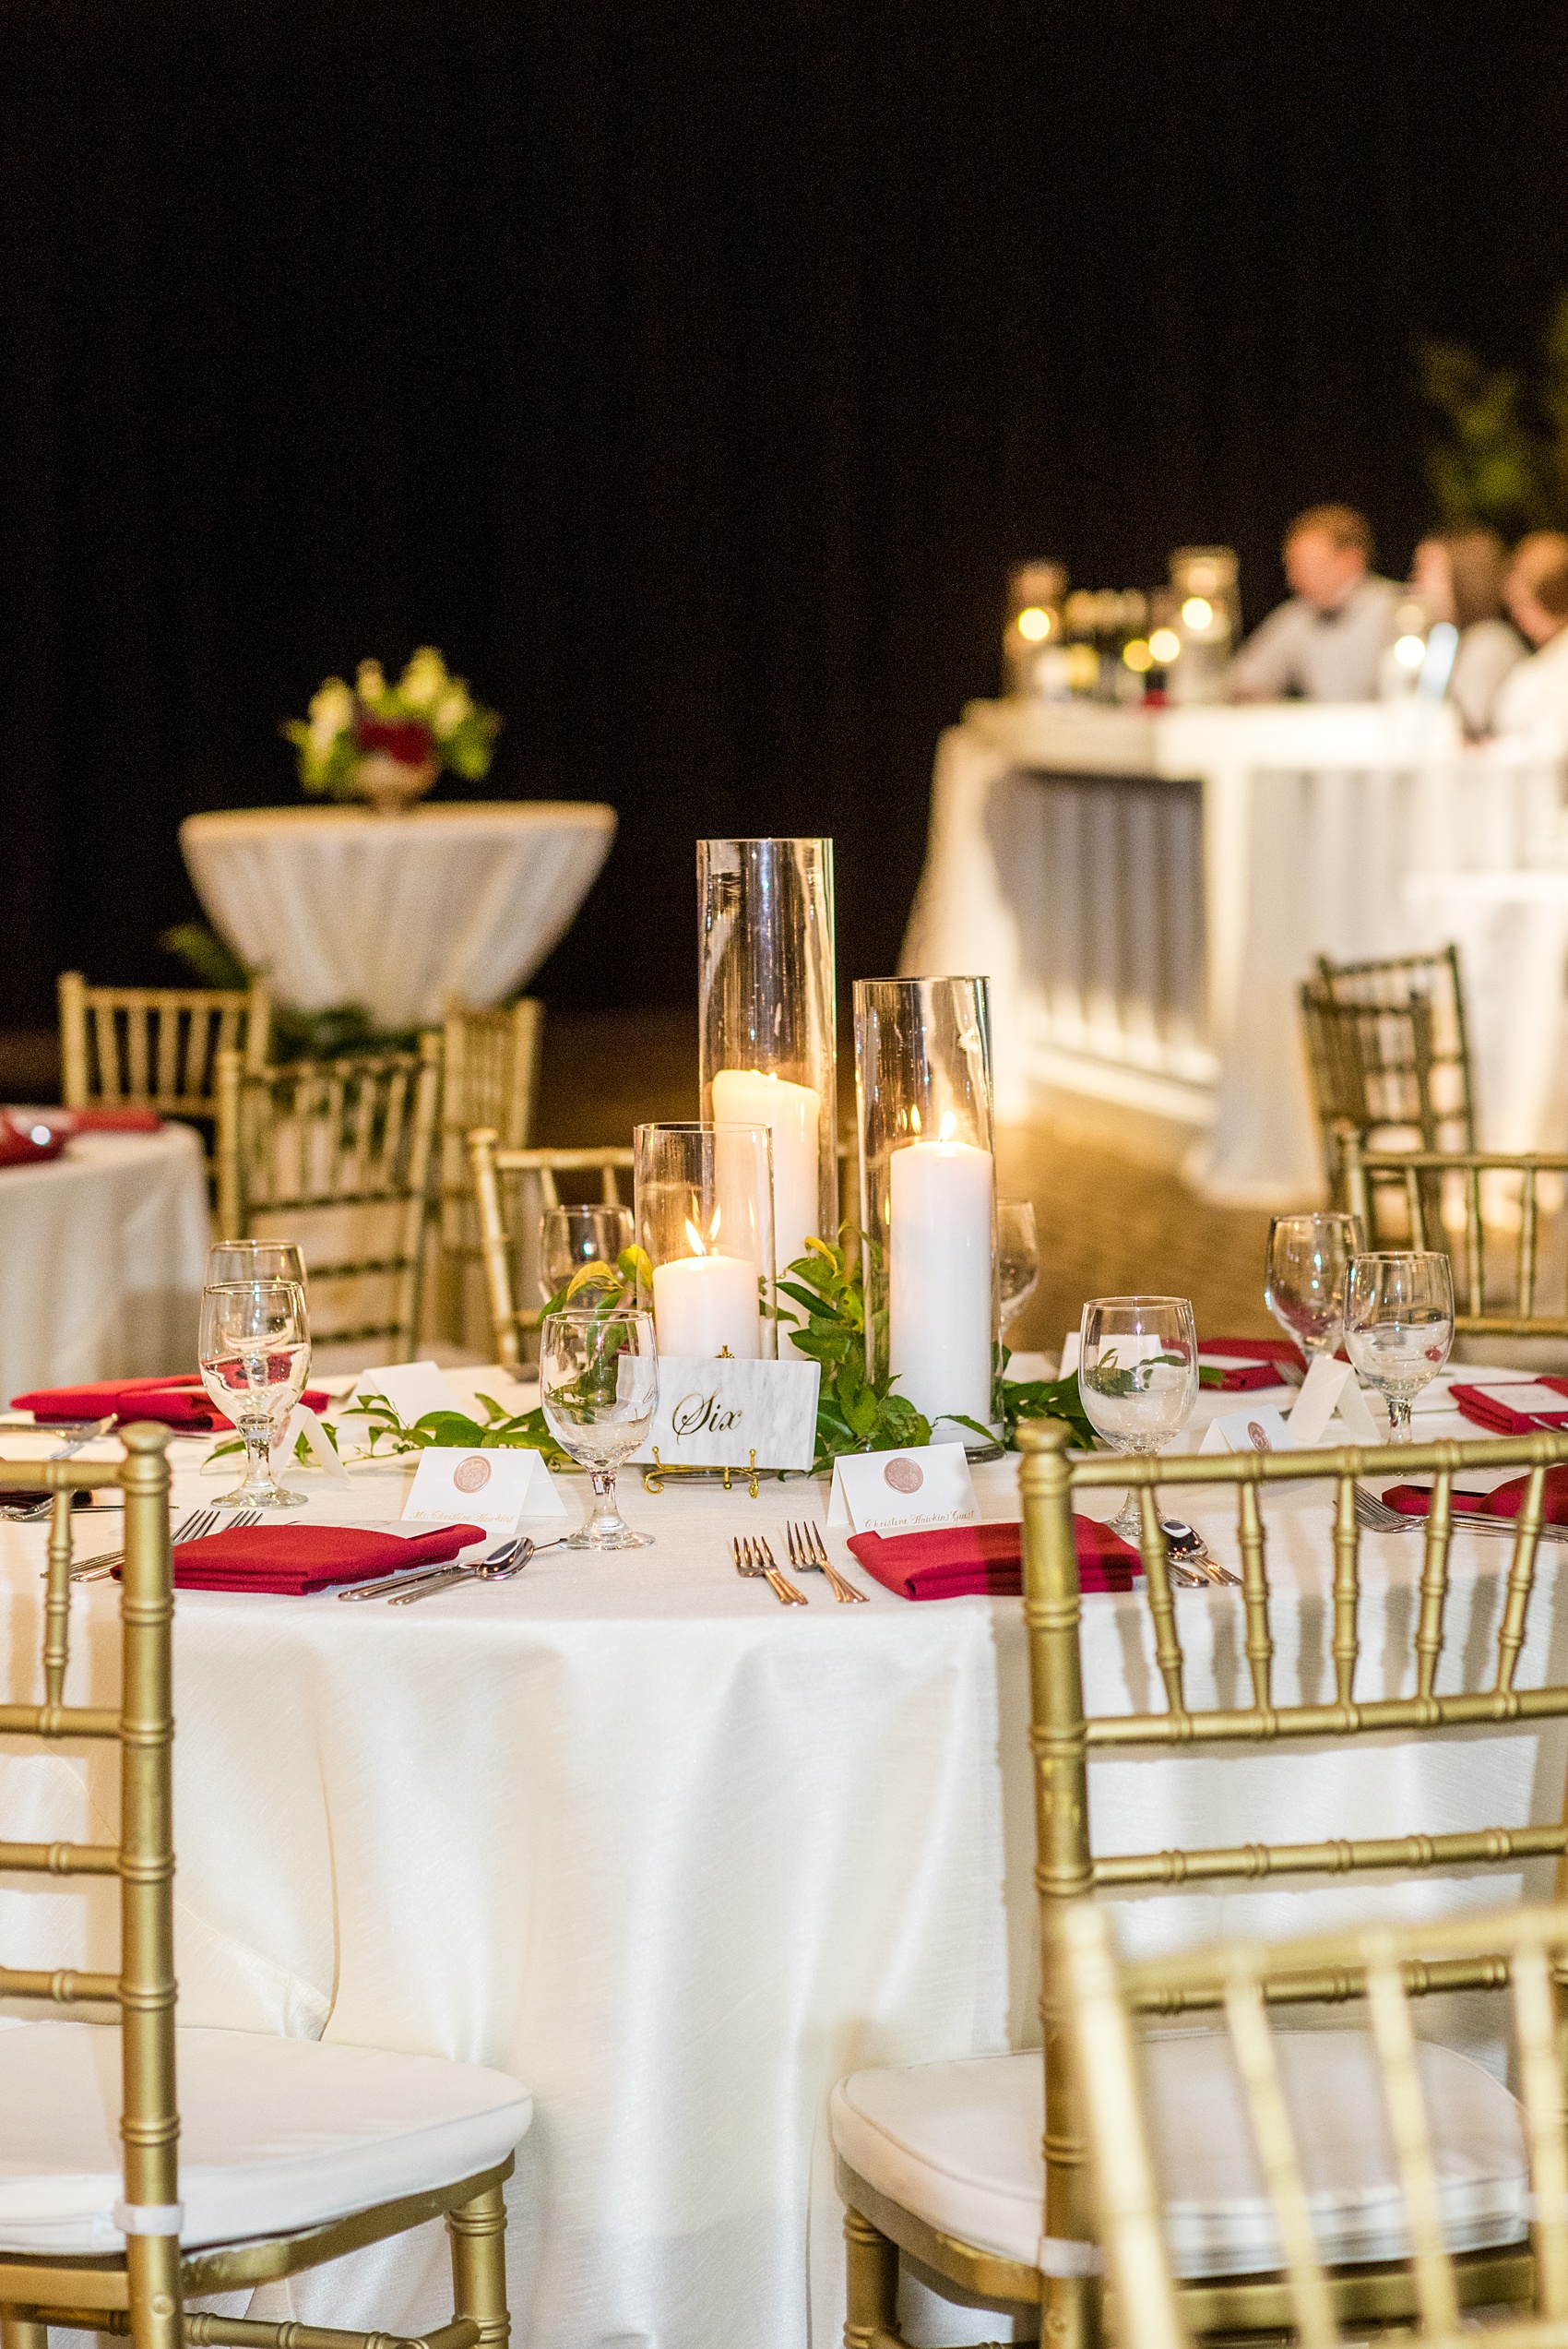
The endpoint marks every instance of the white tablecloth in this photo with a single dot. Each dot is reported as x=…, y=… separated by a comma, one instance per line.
x=1512, y=931
x=679, y=1858
x=397, y=912
x=103, y=1252
x=1147, y=890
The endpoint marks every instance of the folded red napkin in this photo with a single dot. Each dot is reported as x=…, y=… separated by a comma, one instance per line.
x=1248, y=1362
x=291, y=1560
x=1488, y=1407
x=179, y=1402
x=1415, y=1500
x=20, y=1144
x=986, y=1561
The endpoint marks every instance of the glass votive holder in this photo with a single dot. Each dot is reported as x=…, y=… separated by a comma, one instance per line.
x=704, y=1216
x=928, y=1195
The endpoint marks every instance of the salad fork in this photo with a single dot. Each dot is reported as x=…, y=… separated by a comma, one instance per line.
x=750, y=1561
x=808, y=1555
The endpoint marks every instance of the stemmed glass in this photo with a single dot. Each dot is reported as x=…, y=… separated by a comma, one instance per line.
x=1309, y=1264
x=1017, y=1257
x=1399, y=1324
x=254, y=1355
x=570, y=1237
x=599, y=1384
x=230, y=1260
x=1138, y=1378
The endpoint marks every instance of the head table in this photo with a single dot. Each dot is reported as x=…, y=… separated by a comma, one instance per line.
x=679, y=1858
x=397, y=912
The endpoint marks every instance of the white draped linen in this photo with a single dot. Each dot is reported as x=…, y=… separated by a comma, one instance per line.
x=1147, y=890
x=397, y=912
x=679, y=1858
x=103, y=1252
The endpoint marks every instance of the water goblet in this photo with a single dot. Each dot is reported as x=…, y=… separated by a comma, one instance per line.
x=1138, y=1378
x=1399, y=1324
x=599, y=1384
x=254, y=1354
x=1309, y=1264
x=228, y=1261
x=570, y=1237
x=1017, y=1257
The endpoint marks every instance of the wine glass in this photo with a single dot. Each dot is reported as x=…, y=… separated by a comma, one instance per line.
x=599, y=1384
x=1017, y=1256
x=1138, y=1378
x=570, y=1237
x=254, y=1355
x=1399, y=1324
x=230, y=1260
x=1309, y=1264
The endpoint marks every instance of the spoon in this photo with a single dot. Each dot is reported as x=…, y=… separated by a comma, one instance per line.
x=499, y=1567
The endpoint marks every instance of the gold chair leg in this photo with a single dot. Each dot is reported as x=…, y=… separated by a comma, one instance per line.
x=478, y=2230
x=871, y=2276
x=20, y=2329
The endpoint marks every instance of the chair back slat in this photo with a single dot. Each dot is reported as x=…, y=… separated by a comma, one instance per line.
x=1388, y=2013
x=1162, y=1604
x=1347, y=1642
x=1254, y=1595
x=1521, y=1578
x=1541, y=2093
x=1252, y=2042
x=489, y=1078
x=503, y=1238
x=1434, y=1583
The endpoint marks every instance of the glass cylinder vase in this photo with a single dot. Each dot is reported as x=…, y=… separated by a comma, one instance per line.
x=928, y=1195
x=767, y=1006
x=704, y=1215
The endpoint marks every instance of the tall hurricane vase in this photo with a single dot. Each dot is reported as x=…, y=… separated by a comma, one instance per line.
x=767, y=1009
x=928, y=1195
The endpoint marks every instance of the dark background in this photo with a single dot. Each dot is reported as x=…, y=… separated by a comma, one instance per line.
x=690, y=378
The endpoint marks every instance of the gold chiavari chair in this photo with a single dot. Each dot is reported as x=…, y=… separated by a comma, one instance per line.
x=1131, y=2159
x=536, y=1173
x=1388, y=1052
x=942, y=2165
x=156, y=1047
x=296, y=2153
x=1412, y=1182
x=337, y=1154
x=490, y=1076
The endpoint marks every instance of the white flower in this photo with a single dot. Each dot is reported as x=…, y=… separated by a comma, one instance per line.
x=331, y=713
x=369, y=683
x=451, y=709
x=423, y=678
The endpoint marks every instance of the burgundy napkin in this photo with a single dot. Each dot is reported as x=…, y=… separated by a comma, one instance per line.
x=1249, y=1362
x=986, y=1561
x=291, y=1560
x=180, y=1402
x=17, y=1146
x=1415, y=1500
x=1487, y=1408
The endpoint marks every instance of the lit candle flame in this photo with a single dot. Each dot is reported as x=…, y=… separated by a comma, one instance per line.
x=695, y=1238
x=699, y=1245
x=949, y=1126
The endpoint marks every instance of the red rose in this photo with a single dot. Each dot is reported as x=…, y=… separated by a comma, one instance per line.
x=408, y=742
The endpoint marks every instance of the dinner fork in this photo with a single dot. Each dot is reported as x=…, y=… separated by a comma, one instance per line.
x=197, y=1528
x=83, y=1432
x=750, y=1561
x=808, y=1555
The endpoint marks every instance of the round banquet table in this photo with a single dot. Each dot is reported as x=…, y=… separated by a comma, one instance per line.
x=680, y=1857
x=103, y=1252
x=397, y=912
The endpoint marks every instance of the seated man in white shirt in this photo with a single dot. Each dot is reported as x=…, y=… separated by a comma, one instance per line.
x=1327, y=643
x=1533, y=698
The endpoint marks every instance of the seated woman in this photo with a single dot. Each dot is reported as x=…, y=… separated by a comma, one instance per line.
x=1458, y=575
x=1533, y=698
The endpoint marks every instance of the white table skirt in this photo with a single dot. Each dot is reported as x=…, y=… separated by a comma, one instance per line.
x=1147, y=893
x=340, y=905
x=679, y=1858
x=103, y=1252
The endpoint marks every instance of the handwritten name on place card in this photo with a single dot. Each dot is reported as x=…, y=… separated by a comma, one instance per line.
x=895, y=1492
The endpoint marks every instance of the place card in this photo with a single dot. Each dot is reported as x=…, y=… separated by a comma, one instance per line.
x=894, y=1491
x=411, y=1387
x=714, y=1414
x=495, y=1486
x=1314, y=1406
x=304, y=1422
x=1261, y=1429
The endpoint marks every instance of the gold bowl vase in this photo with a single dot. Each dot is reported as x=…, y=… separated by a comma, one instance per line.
x=391, y=786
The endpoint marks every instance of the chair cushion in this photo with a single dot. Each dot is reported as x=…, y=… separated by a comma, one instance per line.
x=959, y=2145
x=274, y=2133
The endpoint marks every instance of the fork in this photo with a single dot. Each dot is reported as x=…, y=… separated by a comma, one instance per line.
x=197, y=1527
x=83, y=1432
x=750, y=1561
x=808, y=1555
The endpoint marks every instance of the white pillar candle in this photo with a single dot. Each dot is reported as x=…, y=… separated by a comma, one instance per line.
x=702, y=1303
x=793, y=1114
x=939, y=1277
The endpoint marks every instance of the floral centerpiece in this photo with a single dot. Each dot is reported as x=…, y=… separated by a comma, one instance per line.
x=387, y=744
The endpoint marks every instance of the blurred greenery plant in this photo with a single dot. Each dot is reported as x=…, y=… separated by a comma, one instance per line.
x=296, y=1035
x=1502, y=458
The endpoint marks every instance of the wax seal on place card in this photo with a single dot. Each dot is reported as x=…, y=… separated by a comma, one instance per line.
x=893, y=1492
x=509, y=1484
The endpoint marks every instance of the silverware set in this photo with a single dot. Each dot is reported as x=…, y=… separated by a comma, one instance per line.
x=807, y=1553
x=427, y=1582
x=82, y=1433
x=1376, y=1516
